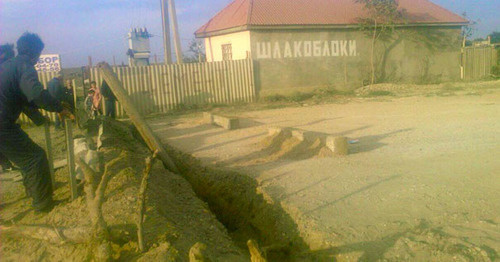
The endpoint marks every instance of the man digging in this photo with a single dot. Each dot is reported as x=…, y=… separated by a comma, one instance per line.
x=20, y=88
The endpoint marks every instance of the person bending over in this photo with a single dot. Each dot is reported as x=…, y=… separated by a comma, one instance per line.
x=20, y=88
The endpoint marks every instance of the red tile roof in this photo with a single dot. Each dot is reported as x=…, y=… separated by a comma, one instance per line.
x=248, y=13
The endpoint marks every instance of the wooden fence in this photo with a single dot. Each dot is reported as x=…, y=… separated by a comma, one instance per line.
x=478, y=61
x=160, y=88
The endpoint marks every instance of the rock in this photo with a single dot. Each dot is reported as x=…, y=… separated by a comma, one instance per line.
x=338, y=145
x=198, y=253
x=164, y=252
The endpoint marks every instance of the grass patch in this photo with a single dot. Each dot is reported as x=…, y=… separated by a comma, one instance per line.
x=450, y=87
x=317, y=95
x=274, y=98
x=295, y=97
x=299, y=96
x=333, y=92
x=379, y=93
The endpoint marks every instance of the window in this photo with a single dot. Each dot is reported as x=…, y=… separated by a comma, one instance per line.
x=227, y=52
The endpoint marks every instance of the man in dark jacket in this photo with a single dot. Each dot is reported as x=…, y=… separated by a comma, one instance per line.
x=6, y=53
x=109, y=99
x=20, y=87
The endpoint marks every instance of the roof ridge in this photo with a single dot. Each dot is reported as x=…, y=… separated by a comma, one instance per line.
x=446, y=10
x=241, y=4
x=204, y=26
x=250, y=11
x=242, y=14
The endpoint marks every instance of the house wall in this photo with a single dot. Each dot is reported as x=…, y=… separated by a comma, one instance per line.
x=300, y=60
x=239, y=41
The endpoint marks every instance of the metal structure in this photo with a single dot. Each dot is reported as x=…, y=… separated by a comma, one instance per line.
x=139, y=47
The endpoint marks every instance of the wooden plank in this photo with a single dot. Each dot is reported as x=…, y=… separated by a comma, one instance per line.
x=210, y=82
x=142, y=126
x=248, y=82
x=217, y=83
x=225, y=82
x=172, y=82
x=155, y=85
x=71, y=158
x=119, y=107
x=50, y=156
x=241, y=81
x=169, y=87
x=179, y=84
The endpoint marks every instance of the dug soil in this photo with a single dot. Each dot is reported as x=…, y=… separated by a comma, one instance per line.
x=175, y=218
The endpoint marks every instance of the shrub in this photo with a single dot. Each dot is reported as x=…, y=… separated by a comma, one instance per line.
x=380, y=93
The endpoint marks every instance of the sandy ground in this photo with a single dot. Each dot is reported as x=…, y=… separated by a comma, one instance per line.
x=175, y=218
x=422, y=183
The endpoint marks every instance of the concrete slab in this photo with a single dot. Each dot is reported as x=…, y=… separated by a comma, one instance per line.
x=229, y=123
x=338, y=145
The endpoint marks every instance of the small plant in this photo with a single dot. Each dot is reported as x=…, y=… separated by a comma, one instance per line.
x=299, y=96
x=274, y=98
x=450, y=87
x=495, y=71
x=380, y=93
x=334, y=92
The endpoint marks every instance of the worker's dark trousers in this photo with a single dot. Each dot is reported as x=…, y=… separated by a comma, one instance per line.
x=4, y=162
x=31, y=159
x=110, y=108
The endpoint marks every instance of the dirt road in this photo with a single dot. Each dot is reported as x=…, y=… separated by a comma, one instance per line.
x=422, y=183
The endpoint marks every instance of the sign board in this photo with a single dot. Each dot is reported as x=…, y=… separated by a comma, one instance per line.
x=49, y=63
x=298, y=49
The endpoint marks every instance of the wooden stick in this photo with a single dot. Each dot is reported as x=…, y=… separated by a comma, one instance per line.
x=142, y=200
x=71, y=158
x=75, y=100
x=144, y=129
x=256, y=254
x=50, y=158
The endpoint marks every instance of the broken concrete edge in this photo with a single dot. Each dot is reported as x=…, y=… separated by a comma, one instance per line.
x=338, y=145
x=229, y=123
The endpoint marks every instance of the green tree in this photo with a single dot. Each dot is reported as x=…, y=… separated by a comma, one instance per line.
x=468, y=31
x=383, y=15
x=195, y=53
x=385, y=24
x=495, y=37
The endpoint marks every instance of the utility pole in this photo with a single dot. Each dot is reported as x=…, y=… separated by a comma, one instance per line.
x=167, y=49
x=175, y=29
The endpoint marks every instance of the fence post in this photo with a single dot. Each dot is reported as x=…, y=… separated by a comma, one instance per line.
x=71, y=158
x=48, y=147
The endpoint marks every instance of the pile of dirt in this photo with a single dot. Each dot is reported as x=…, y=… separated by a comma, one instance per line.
x=175, y=221
x=403, y=90
x=435, y=245
x=422, y=243
x=281, y=143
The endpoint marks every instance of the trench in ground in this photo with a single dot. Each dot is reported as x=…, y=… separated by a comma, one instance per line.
x=234, y=199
